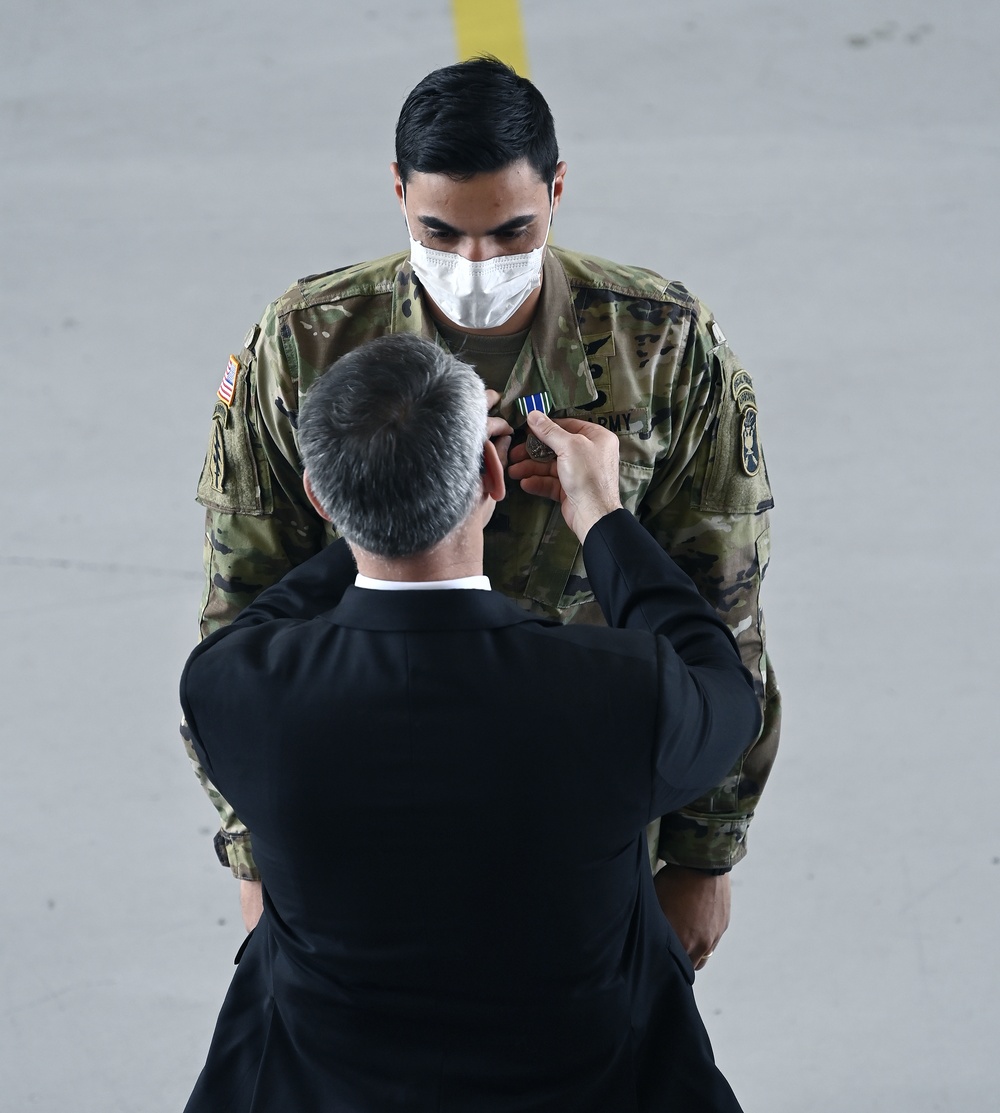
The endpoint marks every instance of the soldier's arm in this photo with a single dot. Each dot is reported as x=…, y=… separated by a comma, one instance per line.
x=714, y=523
x=258, y=522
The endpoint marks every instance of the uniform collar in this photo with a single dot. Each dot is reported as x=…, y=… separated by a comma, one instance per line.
x=553, y=357
x=408, y=312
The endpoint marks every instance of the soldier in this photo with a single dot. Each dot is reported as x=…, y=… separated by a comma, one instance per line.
x=478, y=179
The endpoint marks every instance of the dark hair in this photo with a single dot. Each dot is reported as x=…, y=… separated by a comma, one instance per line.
x=392, y=435
x=472, y=118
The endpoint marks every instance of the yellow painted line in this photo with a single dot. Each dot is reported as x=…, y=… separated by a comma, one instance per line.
x=491, y=27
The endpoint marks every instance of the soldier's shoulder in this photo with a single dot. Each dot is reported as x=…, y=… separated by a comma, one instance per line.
x=624, y=280
x=366, y=279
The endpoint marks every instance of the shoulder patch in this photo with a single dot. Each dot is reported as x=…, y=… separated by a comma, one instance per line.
x=749, y=445
x=743, y=392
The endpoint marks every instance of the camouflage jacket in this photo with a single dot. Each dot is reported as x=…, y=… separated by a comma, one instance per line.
x=617, y=345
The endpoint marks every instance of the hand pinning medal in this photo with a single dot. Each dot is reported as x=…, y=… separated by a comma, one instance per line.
x=540, y=401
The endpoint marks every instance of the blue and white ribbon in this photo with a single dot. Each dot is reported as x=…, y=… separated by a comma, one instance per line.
x=540, y=401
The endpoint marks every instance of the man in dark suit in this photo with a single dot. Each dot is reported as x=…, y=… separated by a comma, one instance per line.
x=529, y=968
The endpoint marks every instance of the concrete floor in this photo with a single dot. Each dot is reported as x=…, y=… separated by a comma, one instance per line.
x=825, y=176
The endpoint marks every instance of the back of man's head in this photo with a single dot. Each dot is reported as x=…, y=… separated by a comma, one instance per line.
x=475, y=117
x=392, y=437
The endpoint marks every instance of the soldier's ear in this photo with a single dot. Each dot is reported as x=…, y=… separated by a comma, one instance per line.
x=311, y=496
x=558, y=184
x=397, y=181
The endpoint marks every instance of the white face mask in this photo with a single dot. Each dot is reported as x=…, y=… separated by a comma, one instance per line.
x=477, y=295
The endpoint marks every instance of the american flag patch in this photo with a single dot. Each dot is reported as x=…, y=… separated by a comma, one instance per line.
x=228, y=385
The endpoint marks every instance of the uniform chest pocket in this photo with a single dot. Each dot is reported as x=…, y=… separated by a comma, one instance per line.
x=558, y=577
x=633, y=482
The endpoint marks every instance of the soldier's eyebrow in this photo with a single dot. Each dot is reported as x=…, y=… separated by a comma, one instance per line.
x=515, y=224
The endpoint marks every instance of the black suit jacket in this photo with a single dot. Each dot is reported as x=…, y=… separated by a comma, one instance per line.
x=448, y=796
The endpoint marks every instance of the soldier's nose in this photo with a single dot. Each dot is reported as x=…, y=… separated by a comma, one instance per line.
x=476, y=250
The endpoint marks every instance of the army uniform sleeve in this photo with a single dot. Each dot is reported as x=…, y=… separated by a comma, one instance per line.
x=258, y=522
x=714, y=523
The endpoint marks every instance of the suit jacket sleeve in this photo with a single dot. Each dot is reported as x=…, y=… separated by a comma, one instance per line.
x=308, y=590
x=707, y=711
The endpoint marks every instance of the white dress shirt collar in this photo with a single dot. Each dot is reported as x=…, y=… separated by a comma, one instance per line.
x=477, y=583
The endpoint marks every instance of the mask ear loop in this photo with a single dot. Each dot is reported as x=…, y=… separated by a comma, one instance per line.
x=552, y=209
x=406, y=219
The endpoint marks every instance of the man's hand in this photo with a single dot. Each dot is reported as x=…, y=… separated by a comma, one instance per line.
x=583, y=478
x=497, y=429
x=251, y=903
x=697, y=905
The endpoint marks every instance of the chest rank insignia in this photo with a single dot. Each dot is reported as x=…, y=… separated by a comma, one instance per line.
x=540, y=401
x=228, y=385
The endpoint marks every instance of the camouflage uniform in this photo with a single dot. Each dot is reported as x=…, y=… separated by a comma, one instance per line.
x=617, y=345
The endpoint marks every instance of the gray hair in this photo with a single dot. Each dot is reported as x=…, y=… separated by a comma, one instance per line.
x=392, y=436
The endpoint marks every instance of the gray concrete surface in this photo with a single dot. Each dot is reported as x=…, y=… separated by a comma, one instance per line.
x=825, y=176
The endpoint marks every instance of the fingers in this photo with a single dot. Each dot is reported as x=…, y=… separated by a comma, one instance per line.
x=703, y=961
x=541, y=426
x=559, y=434
x=697, y=906
x=251, y=903
x=544, y=486
x=498, y=430
x=519, y=454
x=522, y=465
x=703, y=951
x=497, y=427
x=503, y=449
x=582, y=475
